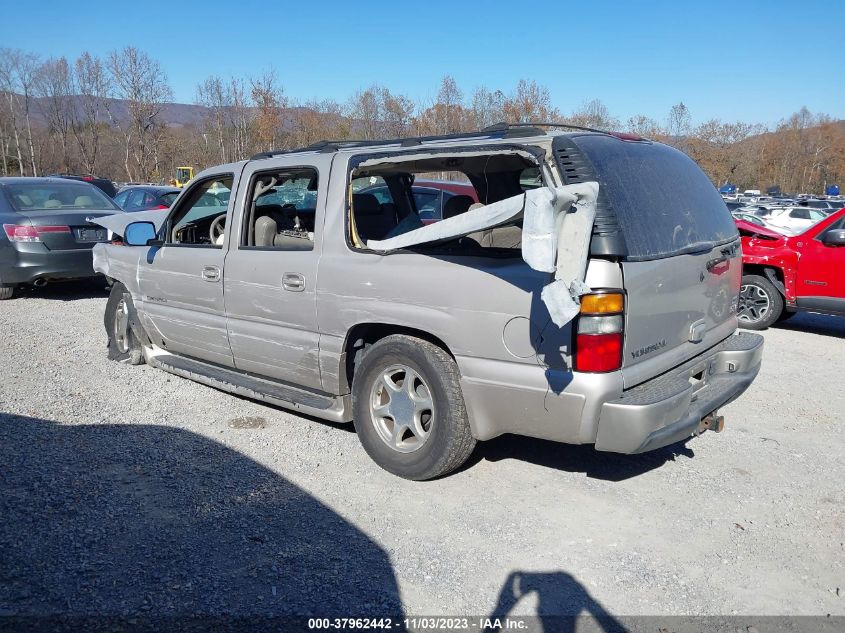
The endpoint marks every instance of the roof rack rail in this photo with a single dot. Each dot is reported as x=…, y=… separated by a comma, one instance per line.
x=501, y=130
x=537, y=124
x=625, y=136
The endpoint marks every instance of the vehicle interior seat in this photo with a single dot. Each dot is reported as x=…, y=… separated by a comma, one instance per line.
x=500, y=237
x=457, y=205
x=373, y=221
x=268, y=235
x=52, y=203
x=24, y=199
x=83, y=201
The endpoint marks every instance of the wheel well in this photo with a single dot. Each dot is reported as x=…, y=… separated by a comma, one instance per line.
x=361, y=336
x=772, y=273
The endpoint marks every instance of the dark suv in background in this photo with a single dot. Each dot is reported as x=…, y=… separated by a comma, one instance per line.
x=103, y=184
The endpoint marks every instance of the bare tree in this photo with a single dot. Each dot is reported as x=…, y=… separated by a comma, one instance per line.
x=644, y=126
x=8, y=86
x=529, y=102
x=268, y=101
x=397, y=114
x=90, y=87
x=450, y=99
x=17, y=74
x=214, y=95
x=54, y=86
x=679, y=123
x=488, y=107
x=594, y=113
x=365, y=111
x=139, y=81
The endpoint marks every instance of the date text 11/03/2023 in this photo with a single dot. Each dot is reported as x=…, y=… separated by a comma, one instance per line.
x=426, y=623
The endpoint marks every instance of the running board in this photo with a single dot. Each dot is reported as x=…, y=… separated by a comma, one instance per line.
x=336, y=409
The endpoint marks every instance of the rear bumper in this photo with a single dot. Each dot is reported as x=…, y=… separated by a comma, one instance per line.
x=25, y=263
x=669, y=408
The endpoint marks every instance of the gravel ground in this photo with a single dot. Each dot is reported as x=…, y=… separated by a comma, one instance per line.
x=125, y=490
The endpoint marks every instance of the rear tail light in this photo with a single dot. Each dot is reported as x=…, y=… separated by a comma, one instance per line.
x=600, y=332
x=23, y=233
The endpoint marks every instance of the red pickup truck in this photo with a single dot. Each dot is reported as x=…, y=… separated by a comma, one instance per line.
x=782, y=275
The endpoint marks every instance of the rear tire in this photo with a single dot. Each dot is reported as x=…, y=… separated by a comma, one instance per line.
x=760, y=303
x=6, y=292
x=408, y=408
x=123, y=345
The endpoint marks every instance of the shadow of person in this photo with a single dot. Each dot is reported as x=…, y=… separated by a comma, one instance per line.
x=137, y=521
x=578, y=458
x=560, y=600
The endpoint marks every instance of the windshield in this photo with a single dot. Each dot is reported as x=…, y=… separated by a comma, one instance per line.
x=46, y=196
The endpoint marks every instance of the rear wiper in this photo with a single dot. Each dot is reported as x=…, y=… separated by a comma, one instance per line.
x=697, y=248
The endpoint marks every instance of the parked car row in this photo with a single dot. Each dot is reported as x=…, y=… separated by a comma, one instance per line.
x=786, y=217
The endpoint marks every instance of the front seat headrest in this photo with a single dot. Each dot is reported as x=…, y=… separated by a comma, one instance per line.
x=365, y=204
x=456, y=205
x=265, y=231
x=83, y=201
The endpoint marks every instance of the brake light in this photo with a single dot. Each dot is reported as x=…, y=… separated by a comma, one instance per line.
x=600, y=332
x=627, y=136
x=160, y=207
x=53, y=229
x=25, y=233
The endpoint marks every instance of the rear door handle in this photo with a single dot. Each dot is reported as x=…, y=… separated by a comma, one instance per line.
x=211, y=273
x=295, y=282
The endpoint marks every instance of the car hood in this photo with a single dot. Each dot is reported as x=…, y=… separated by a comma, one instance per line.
x=748, y=229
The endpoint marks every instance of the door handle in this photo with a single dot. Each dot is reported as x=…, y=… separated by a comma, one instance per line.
x=211, y=273
x=295, y=282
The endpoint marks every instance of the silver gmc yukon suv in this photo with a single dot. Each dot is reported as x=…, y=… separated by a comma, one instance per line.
x=576, y=286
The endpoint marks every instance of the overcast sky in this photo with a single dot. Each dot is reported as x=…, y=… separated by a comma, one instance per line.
x=749, y=61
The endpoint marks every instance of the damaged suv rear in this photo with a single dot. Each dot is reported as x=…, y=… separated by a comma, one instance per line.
x=585, y=293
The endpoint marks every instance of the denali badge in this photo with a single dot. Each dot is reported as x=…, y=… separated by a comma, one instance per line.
x=648, y=349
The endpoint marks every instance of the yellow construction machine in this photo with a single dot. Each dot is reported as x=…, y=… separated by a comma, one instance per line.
x=183, y=175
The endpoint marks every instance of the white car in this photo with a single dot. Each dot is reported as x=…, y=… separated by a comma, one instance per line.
x=794, y=219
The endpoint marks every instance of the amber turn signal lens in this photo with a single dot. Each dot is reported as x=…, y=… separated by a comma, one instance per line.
x=603, y=303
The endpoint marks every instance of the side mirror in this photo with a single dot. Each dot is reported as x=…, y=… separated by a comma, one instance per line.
x=139, y=233
x=834, y=237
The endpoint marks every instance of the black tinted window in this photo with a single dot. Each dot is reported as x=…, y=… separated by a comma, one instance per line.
x=662, y=200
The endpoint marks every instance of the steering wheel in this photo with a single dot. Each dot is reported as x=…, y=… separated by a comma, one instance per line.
x=217, y=228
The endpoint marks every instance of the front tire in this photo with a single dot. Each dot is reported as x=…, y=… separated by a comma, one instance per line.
x=123, y=345
x=408, y=408
x=760, y=303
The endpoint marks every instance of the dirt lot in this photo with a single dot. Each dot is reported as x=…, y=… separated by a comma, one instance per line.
x=127, y=490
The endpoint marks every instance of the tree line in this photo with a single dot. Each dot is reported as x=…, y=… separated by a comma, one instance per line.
x=107, y=116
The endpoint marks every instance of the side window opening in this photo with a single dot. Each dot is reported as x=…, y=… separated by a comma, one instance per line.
x=425, y=190
x=200, y=219
x=282, y=210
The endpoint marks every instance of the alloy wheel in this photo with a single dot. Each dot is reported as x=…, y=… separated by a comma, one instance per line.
x=401, y=408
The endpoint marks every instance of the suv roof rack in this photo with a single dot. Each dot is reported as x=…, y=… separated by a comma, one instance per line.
x=499, y=130
x=625, y=136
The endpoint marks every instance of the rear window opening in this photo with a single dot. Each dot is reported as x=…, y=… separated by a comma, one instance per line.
x=391, y=197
